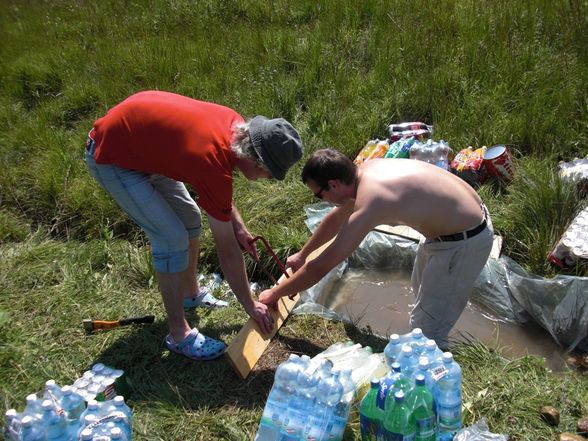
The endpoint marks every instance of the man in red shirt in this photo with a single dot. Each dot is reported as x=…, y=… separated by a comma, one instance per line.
x=145, y=148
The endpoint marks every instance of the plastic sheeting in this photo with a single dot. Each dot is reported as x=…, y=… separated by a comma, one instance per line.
x=559, y=305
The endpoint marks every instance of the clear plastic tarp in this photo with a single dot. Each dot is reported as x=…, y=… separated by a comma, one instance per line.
x=559, y=305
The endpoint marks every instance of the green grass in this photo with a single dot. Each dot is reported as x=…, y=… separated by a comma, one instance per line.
x=482, y=72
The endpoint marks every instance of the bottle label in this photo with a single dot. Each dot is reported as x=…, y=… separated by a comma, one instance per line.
x=391, y=436
x=439, y=372
x=449, y=416
x=425, y=427
x=370, y=430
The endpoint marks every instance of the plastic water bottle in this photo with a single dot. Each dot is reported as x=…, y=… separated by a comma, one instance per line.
x=320, y=422
x=370, y=415
x=408, y=361
x=402, y=383
x=387, y=384
x=31, y=430
x=73, y=405
x=302, y=404
x=52, y=392
x=12, y=423
x=117, y=434
x=432, y=351
x=93, y=408
x=54, y=424
x=424, y=370
x=119, y=405
x=417, y=341
x=449, y=399
x=86, y=435
x=341, y=411
x=33, y=407
x=392, y=349
x=398, y=421
x=420, y=403
x=277, y=402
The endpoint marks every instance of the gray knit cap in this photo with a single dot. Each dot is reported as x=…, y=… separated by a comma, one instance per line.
x=277, y=143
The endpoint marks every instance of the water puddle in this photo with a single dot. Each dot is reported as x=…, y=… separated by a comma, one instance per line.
x=382, y=300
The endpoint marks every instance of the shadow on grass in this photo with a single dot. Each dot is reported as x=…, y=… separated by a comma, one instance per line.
x=158, y=376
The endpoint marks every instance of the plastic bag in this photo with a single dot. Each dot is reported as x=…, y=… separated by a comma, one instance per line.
x=478, y=432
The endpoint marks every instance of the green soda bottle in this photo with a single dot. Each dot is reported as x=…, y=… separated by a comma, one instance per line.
x=399, y=424
x=370, y=415
x=420, y=403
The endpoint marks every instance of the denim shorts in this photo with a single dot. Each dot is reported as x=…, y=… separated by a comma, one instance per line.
x=161, y=206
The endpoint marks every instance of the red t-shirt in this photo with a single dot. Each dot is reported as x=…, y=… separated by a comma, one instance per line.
x=175, y=136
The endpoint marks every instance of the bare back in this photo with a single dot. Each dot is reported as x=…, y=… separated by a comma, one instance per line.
x=414, y=193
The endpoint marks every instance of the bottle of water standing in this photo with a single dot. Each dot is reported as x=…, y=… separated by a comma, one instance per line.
x=417, y=341
x=392, y=349
x=52, y=392
x=408, y=361
x=320, y=421
x=33, y=407
x=73, y=405
x=370, y=415
x=398, y=421
x=278, y=399
x=31, y=430
x=54, y=423
x=119, y=405
x=432, y=351
x=448, y=399
x=387, y=384
x=341, y=411
x=12, y=423
x=420, y=403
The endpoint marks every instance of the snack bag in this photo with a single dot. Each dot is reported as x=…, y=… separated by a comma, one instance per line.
x=467, y=164
x=365, y=152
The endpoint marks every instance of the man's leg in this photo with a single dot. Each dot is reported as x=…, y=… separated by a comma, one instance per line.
x=190, y=280
x=449, y=272
x=171, y=286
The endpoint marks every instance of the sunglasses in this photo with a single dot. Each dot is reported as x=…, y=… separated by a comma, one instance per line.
x=319, y=194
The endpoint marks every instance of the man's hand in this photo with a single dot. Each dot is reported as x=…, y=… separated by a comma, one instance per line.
x=268, y=297
x=245, y=239
x=295, y=261
x=261, y=314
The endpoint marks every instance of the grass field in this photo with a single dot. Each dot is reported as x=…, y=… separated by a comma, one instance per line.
x=482, y=72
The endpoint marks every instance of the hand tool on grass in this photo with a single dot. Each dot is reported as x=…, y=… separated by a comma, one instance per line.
x=274, y=256
x=94, y=325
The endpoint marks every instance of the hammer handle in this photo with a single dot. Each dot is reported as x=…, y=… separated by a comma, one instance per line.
x=144, y=319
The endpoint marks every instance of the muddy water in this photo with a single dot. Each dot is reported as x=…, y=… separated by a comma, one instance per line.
x=382, y=300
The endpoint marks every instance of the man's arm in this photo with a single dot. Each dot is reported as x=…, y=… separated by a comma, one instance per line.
x=242, y=234
x=347, y=240
x=233, y=267
x=327, y=229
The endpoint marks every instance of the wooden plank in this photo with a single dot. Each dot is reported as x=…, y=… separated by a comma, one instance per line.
x=249, y=344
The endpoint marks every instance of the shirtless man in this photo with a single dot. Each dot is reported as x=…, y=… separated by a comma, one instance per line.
x=442, y=207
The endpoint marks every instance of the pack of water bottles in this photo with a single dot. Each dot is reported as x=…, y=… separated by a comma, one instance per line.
x=308, y=400
x=433, y=152
x=572, y=247
x=60, y=414
x=420, y=397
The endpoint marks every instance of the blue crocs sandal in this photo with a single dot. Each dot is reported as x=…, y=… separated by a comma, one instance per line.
x=196, y=346
x=204, y=299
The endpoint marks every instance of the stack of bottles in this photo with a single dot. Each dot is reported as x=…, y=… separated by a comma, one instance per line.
x=420, y=397
x=433, y=152
x=60, y=414
x=575, y=170
x=311, y=399
x=572, y=247
x=360, y=360
x=101, y=383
